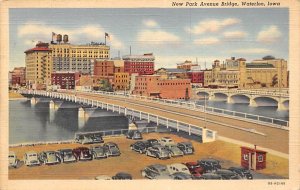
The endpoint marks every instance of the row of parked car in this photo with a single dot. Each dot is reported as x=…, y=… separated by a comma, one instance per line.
x=202, y=169
x=164, y=148
x=32, y=158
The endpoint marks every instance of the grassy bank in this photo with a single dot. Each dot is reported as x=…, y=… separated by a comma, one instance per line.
x=14, y=95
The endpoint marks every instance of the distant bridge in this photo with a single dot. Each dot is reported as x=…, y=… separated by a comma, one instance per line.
x=254, y=97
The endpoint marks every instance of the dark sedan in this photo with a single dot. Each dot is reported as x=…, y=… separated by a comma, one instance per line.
x=122, y=176
x=153, y=142
x=186, y=147
x=82, y=153
x=227, y=174
x=209, y=164
x=242, y=172
x=140, y=146
x=134, y=134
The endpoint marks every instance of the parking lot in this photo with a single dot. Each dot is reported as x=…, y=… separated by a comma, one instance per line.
x=132, y=162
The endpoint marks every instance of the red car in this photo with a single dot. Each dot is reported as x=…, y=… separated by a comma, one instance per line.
x=195, y=169
x=82, y=153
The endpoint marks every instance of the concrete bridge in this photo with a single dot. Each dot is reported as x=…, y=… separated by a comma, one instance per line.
x=187, y=117
x=207, y=135
x=257, y=97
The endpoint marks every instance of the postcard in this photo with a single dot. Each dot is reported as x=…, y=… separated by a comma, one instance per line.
x=150, y=95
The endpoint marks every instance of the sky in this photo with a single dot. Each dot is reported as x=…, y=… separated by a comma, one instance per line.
x=172, y=35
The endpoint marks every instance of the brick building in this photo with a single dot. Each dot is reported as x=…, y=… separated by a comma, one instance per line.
x=121, y=81
x=18, y=76
x=66, y=80
x=156, y=86
x=141, y=64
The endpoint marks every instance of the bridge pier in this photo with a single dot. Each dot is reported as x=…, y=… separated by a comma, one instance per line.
x=281, y=106
x=211, y=97
x=208, y=135
x=230, y=100
x=252, y=102
x=33, y=101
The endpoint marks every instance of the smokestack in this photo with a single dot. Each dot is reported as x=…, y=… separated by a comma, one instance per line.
x=130, y=50
x=119, y=53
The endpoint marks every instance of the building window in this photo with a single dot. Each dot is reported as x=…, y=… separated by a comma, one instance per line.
x=246, y=156
x=260, y=158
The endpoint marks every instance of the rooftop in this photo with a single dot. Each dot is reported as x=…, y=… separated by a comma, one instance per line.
x=259, y=65
x=37, y=49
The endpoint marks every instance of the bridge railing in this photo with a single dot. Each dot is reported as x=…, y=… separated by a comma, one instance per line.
x=217, y=111
x=196, y=107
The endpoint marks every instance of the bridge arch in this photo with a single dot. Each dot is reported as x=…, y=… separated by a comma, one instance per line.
x=203, y=94
x=219, y=96
x=239, y=98
x=264, y=101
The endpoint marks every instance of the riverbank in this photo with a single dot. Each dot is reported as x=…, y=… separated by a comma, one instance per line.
x=132, y=162
x=15, y=96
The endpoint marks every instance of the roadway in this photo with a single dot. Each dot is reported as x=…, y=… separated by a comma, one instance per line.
x=265, y=136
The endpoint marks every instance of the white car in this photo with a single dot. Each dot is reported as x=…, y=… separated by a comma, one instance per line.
x=31, y=159
x=166, y=141
x=12, y=159
x=177, y=167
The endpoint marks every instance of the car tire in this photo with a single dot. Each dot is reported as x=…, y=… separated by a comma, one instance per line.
x=94, y=156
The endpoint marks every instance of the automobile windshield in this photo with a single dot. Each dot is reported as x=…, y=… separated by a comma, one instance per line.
x=32, y=155
x=51, y=153
x=11, y=156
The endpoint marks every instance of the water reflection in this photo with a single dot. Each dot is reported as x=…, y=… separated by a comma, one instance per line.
x=37, y=123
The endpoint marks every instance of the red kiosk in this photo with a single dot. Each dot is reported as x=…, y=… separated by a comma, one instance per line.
x=253, y=159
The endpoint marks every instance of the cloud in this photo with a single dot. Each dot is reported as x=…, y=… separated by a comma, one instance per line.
x=235, y=34
x=269, y=35
x=157, y=37
x=251, y=51
x=207, y=41
x=150, y=23
x=35, y=31
x=212, y=25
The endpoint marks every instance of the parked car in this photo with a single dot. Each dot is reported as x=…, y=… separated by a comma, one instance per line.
x=112, y=149
x=12, y=160
x=98, y=152
x=195, y=169
x=177, y=167
x=134, y=134
x=84, y=139
x=174, y=150
x=140, y=146
x=49, y=157
x=186, y=147
x=153, y=142
x=181, y=176
x=166, y=141
x=97, y=138
x=242, y=172
x=155, y=170
x=66, y=155
x=122, y=176
x=103, y=177
x=158, y=151
x=227, y=174
x=209, y=164
x=31, y=159
x=210, y=176
x=82, y=153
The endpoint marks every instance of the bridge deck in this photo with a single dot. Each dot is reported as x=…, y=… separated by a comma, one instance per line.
x=274, y=138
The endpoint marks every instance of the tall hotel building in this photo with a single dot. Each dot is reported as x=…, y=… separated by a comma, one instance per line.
x=62, y=56
x=38, y=64
x=77, y=58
